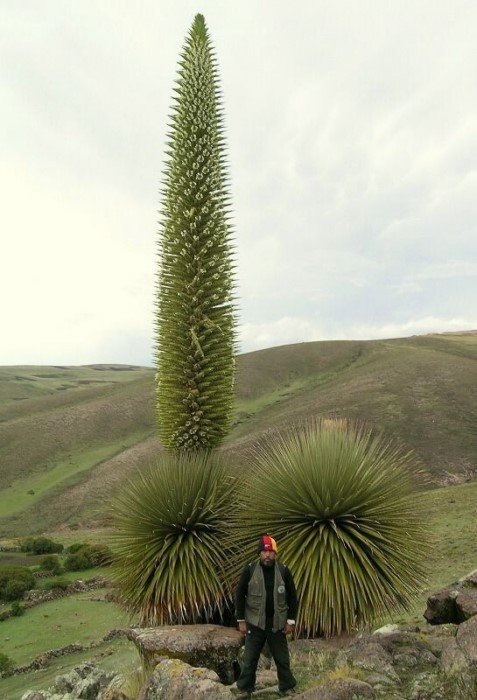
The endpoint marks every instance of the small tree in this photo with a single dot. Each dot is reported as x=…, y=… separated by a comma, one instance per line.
x=51, y=563
x=44, y=545
x=195, y=309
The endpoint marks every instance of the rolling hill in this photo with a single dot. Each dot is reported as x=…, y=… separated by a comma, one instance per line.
x=69, y=436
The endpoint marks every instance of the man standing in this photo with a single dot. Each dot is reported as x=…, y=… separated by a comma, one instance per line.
x=266, y=606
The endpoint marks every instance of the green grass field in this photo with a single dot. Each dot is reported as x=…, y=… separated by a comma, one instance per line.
x=25, y=492
x=58, y=623
x=452, y=516
x=19, y=559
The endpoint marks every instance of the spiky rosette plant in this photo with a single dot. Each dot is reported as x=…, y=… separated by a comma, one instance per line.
x=341, y=505
x=172, y=540
x=195, y=321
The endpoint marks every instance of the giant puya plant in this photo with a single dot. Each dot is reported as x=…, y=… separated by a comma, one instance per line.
x=342, y=504
x=173, y=534
x=172, y=540
x=195, y=319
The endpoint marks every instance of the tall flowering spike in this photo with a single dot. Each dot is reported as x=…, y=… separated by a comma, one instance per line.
x=195, y=321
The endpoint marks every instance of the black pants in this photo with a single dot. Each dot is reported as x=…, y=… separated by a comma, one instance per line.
x=254, y=642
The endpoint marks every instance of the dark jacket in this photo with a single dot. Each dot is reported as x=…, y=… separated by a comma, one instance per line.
x=278, y=605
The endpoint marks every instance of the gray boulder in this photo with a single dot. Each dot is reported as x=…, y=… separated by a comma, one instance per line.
x=467, y=640
x=85, y=682
x=466, y=604
x=209, y=646
x=369, y=655
x=458, y=662
x=453, y=661
x=428, y=686
x=407, y=649
x=441, y=606
x=455, y=603
x=175, y=680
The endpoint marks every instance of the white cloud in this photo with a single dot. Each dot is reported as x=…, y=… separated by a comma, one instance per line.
x=418, y=326
x=256, y=336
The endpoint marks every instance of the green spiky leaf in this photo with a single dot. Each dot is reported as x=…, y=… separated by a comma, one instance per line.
x=343, y=509
x=195, y=320
x=172, y=540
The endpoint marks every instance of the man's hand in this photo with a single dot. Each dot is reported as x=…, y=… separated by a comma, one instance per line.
x=288, y=629
x=242, y=625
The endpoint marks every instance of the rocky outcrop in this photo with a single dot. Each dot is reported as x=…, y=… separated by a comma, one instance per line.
x=455, y=603
x=196, y=662
x=175, y=680
x=466, y=640
x=371, y=657
x=418, y=664
x=85, y=682
x=209, y=646
x=394, y=663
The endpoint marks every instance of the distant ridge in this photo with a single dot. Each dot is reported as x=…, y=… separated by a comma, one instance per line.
x=455, y=333
x=69, y=436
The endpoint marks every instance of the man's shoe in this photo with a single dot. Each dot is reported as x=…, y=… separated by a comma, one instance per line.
x=286, y=693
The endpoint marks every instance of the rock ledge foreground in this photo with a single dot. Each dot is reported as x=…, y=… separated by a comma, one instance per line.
x=208, y=646
x=396, y=662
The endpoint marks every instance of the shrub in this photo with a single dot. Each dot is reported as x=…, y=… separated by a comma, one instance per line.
x=62, y=583
x=14, y=590
x=17, y=609
x=75, y=547
x=14, y=581
x=43, y=545
x=340, y=503
x=26, y=545
x=6, y=663
x=87, y=556
x=51, y=563
x=98, y=554
x=172, y=540
x=77, y=562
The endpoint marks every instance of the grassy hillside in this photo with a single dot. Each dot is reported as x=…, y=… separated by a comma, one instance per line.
x=69, y=436
x=421, y=390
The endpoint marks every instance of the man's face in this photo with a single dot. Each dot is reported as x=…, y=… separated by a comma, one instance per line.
x=267, y=557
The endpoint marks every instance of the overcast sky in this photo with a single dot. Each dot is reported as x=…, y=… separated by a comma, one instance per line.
x=352, y=135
